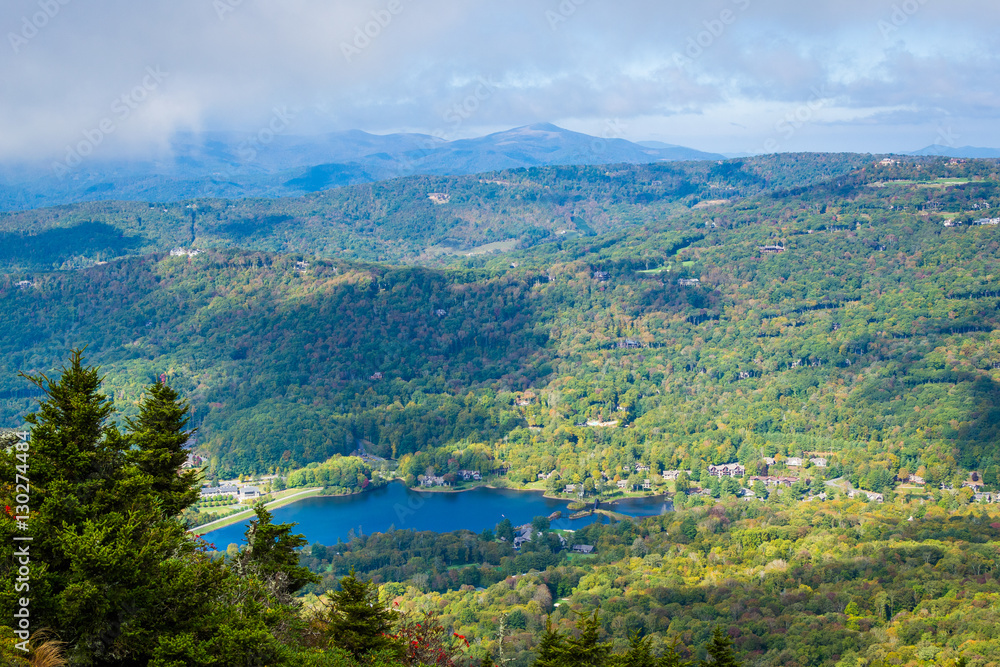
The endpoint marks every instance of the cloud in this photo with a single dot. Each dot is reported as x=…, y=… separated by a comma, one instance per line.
x=384, y=65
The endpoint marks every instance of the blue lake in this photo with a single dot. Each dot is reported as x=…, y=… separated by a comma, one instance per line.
x=324, y=519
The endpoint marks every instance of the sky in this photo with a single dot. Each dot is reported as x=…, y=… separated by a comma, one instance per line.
x=720, y=75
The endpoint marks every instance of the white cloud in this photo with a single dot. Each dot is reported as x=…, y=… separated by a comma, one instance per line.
x=416, y=59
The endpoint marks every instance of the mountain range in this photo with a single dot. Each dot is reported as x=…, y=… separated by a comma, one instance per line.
x=272, y=164
x=967, y=152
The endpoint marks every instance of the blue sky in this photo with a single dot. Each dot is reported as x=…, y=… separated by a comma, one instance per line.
x=721, y=75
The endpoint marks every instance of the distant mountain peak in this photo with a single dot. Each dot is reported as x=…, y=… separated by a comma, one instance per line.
x=958, y=152
x=292, y=164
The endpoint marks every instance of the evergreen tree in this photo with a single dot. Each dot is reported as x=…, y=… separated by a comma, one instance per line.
x=672, y=657
x=112, y=576
x=585, y=650
x=505, y=530
x=356, y=621
x=158, y=437
x=720, y=649
x=639, y=653
x=689, y=528
x=551, y=650
x=270, y=555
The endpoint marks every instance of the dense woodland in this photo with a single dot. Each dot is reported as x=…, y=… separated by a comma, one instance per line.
x=395, y=221
x=835, y=314
x=839, y=582
x=870, y=337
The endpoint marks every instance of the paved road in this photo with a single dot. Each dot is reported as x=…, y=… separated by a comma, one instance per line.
x=249, y=512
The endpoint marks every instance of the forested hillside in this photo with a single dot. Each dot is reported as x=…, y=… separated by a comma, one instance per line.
x=838, y=582
x=866, y=331
x=762, y=314
x=396, y=221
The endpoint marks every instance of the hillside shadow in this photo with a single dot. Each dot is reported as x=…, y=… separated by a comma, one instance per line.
x=52, y=247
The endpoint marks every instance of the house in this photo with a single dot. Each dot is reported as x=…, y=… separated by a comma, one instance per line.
x=193, y=461
x=888, y=162
x=583, y=549
x=248, y=492
x=622, y=484
x=771, y=249
x=769, y=460
x=376, y=376
x=301, y=266
x=818, y=462
x=674, y=474
x=629, y=344
x=594, y=422
x=181, y=252
x=439, y=197
x=793, y=462
x=570, y=488
x=975, y=485
x=602, y=276
x=209, y=492
x=433, y=480
x=440, y=312
x=24, y=284
x=988, y=221
x=871, y=495
x=983, y=497
x=646, y=485
x=771, y=480
x=642, y=468
x=915, y=479
x=689, y=282
x=727, y=470
x=469, y=475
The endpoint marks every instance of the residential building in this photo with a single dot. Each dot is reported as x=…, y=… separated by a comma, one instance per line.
x=727, y=470
x=771, y=480
x=218, y=491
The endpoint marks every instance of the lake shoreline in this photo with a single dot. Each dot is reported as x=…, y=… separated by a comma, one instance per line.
x=403, y=502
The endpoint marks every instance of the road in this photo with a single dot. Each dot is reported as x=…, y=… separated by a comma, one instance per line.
x=249, y=512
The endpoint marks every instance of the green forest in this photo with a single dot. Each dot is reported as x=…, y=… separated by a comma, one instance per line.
x=869, y=337
x=579, y=321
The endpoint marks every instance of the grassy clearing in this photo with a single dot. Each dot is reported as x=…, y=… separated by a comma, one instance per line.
x=286, y=498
